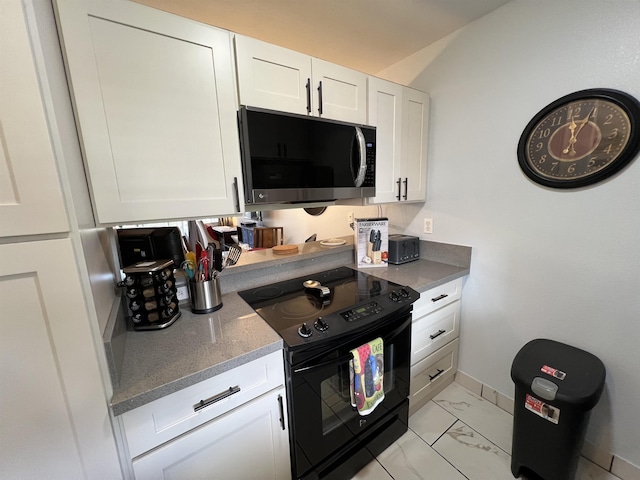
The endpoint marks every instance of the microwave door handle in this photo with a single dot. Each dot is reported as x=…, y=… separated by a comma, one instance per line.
x=362, y=148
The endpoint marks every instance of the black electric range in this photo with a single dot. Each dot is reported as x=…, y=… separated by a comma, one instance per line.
x=322, y=318
x=324, y=306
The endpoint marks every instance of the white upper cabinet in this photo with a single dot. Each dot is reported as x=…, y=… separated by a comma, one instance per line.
x=31, y=199
x=400, y=115
x=385, y=113
x=415, y=124
x=155, y=102
x=276, y=78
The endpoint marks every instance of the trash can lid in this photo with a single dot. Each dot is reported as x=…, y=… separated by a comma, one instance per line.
x=579, y=375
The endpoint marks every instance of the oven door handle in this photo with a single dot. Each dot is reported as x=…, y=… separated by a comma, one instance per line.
x=349, y=356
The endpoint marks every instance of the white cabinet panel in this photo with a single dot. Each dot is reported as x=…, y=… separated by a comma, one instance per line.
x=437, y=297
x=415, y=117
x=53, y=412
x=432, y=374
x=276, y=78
x=31, y=198
x=385, y=112
x=401, y=117
x=433, y=331
x=248, y=442
x=342, y=92
x=273, y=77
x=161, y=420
x=155, y=100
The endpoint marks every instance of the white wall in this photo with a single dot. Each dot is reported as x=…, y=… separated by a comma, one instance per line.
x=546, y=263
x=298, y=225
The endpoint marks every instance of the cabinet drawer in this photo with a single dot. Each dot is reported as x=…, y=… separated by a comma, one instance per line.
x=430, y=332
x=237, y=445
x=163, y=419
x=428, y=374
x=437, y=297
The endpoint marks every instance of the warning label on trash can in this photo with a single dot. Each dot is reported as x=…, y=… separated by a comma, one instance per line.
x=542, y=409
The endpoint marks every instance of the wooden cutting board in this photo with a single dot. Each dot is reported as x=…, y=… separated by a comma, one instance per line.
x=285, y=249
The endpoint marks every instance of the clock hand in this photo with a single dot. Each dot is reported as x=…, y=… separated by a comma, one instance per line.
x=572, y=140
x=583, y=123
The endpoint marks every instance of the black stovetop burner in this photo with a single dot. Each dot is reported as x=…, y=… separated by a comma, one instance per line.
x=304, y=313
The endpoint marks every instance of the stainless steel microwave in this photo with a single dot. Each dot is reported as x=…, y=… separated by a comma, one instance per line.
x=288, y=158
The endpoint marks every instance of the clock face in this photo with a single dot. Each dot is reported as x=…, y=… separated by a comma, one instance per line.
x=580, y=139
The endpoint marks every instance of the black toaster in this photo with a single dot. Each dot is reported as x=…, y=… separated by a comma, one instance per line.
x=403, y=248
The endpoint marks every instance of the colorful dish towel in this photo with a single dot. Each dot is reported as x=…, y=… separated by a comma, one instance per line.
x=366, y=370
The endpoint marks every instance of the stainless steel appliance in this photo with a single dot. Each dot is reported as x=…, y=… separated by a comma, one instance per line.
x=403, y=249
x=289, y=158
x=321, y=318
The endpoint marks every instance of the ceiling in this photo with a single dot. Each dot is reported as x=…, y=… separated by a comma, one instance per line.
x=367, y=35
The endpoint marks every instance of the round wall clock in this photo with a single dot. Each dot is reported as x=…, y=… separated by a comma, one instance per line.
x=581, y=138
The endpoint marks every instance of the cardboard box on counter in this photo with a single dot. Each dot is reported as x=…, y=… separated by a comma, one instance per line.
x=371, y=242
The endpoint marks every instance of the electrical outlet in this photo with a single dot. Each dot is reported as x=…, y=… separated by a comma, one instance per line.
x=350, y=218
x=428, y=225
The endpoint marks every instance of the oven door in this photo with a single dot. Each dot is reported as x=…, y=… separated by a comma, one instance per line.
x=324, y=422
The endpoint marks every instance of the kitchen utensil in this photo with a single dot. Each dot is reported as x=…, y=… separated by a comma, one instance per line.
x=233, y=256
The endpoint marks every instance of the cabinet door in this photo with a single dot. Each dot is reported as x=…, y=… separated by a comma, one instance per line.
x=53, y=411
x=415, y=115
x=385, y=113
x=340, y=93
x=248, y=442
x=155, y=100
x=273, y=77
x=31, y=198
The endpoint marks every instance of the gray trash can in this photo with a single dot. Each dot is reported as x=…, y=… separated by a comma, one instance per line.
x=556, y=387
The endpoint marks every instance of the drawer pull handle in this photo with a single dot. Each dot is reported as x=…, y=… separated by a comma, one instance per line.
x=281, y=411
x=216, y=398
x=440, y=332
x=440, y=372
x=439, y=297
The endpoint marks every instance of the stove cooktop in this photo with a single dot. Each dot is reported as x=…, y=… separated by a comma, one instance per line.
x=321, y=306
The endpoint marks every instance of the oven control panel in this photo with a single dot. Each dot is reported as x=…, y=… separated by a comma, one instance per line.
x=362, y=311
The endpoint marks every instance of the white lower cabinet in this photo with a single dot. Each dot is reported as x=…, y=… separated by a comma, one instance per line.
x=248, y=442
x=230, y=426
x=430, y=375
x=434, y=342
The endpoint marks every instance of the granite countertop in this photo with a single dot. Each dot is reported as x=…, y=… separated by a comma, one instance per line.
x=147, y=365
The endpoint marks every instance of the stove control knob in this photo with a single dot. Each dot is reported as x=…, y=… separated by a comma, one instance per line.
x=394, y=296
x=404, y=292
x=304, y=331
x=321, y=325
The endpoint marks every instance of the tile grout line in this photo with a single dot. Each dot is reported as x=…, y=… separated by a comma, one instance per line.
x=437, y=452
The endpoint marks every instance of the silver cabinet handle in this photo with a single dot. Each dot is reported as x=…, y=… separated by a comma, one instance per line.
x=216, y=398
x=362, y=147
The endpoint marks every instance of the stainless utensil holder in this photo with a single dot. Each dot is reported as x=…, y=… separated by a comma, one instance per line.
x=205, y=296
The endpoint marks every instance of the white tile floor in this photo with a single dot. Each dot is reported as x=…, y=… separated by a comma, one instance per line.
x=456, y=436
